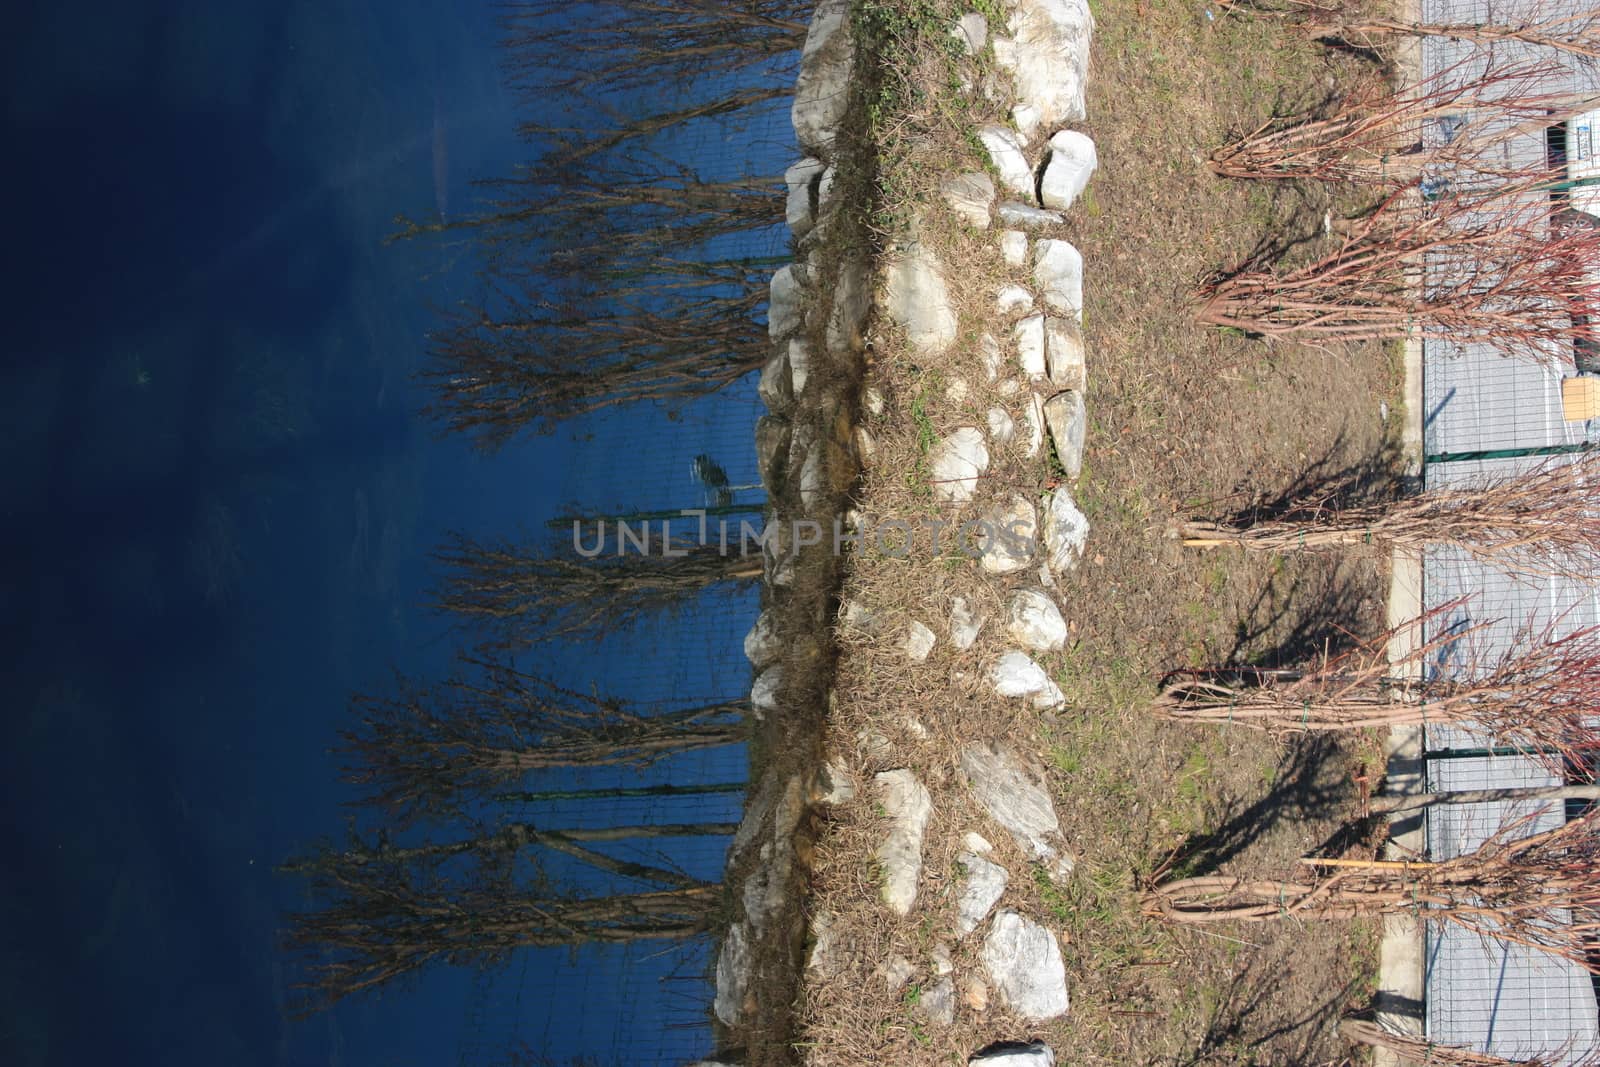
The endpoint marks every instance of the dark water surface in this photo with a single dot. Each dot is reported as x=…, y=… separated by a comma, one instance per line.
x=217, y=496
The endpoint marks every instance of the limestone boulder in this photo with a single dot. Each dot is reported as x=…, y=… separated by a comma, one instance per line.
x=1014, y=674
x=917, y=299
x=956, y=463
x=801, y=206
x=970, y=197
x=822, y=87
x=1010, y=162
x=1034, y=621
x=1051, y=56
x=1058, y=276
x=907, y=805
x=1024, y=964
x=1071, y=163
x=1068, y=421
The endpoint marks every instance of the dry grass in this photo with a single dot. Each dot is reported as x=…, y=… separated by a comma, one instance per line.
x=1181, y=417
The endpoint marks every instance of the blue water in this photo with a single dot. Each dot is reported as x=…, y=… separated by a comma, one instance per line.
x=218, y=501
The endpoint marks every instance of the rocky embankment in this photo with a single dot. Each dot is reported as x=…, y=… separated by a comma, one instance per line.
x=812, y=446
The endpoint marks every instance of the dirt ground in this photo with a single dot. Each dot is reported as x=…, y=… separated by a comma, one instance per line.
x=1183, y=419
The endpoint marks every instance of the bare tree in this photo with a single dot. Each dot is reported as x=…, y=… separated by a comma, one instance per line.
x=1540, y=522
x=1457, y=125
x=532, y=363
x=379, y=920
x=1413, y=1048
x=1537, y=696
x=428, y=749
x=1541, y=23
x=584, y=141
x=644, y=208
x=1540, y=891
x=634, y=45
x=1500, y=266
x=519, y=595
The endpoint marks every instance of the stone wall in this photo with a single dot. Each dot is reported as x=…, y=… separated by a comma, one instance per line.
x=811, y=448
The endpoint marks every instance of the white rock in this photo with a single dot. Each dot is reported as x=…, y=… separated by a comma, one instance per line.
x=907, y=804
x=1005, y=150
x=969, y=196
x=1026, y=116
x=1011, y=524
x=956, y=463
x=799, y=365
x=833, y=785
x=1071, y=163
x=1024, y=963
x=1014, y=247
x=857, y=616
x=993, y=358
x=791, y=806
x=757, y=897
x=821, y=958
x=918, y=299
x=813, y=480
x=801, y=178
x=956, y=390
x=1065, y=531
x=981, y=889
x=1002, y=427
x=972, y=30
x=1013, y=298
x=1005, y=53
x=1014, y=795
x=964, y=624
x=1058, y=275
x=896, y=972
x=1016, y=675
x=866, y=445
x=1025, y=215
x=915, y=727
x=1009, y=387
x=761, y=645
x=1033, y=425
x=1029, y=335
x=872, y=400
x=918, y=642
x=783, y=307
x=852, y=300
x=825, y=189
x=937, y=1003
x=1032, y=1054
x=942, y=963
x=822, y=88
x=1068, y=421
x=754, y=822
x=1052, y=56
x=774, y=387
x=764, y=693
x=1063, y=353
x=733, y=975
x=778, y=568
x=1034, y=621
x=874, y=745
x=976, y=843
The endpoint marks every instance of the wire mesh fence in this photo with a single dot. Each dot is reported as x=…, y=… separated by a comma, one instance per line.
x=1487, y=414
